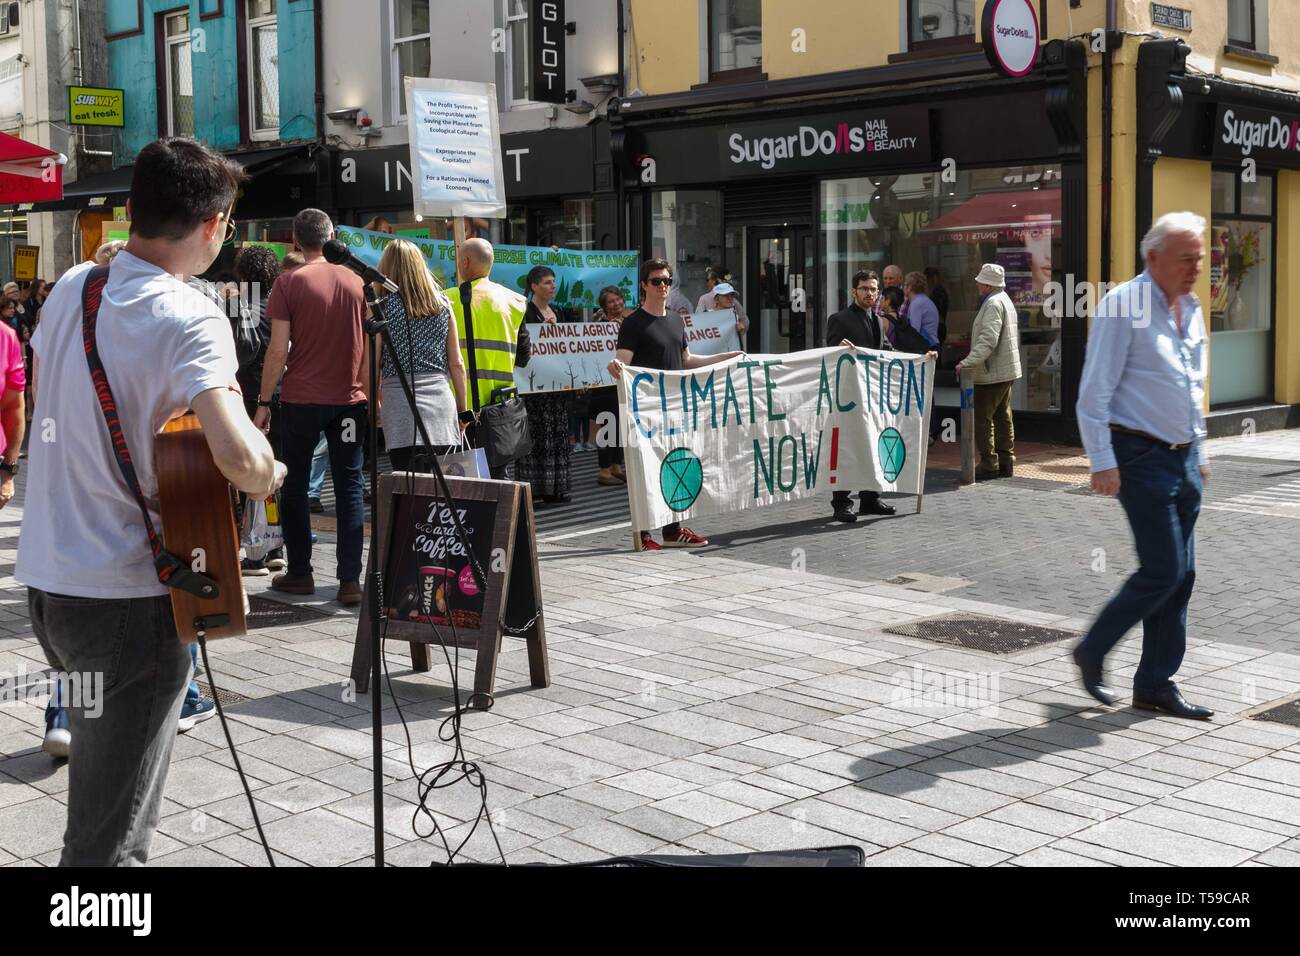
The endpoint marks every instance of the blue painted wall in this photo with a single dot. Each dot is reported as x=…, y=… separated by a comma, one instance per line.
x=217, y=71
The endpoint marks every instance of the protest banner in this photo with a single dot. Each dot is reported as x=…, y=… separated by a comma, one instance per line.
x=455, y=154
x=761, y=429
x=712, y=333
x=580, y=274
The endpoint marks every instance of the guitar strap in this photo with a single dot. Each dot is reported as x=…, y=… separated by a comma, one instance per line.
x=172, y=571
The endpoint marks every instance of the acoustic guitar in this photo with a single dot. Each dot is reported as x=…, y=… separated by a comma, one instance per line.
x=198, y=525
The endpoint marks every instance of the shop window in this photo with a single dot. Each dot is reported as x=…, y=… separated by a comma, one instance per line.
x=262, y=40
x=735, y=39
x=1241, y=288
x=412, y=47
x=178, y=76
x=938, y=23
x=1241, y=23
x=1007, y=215
x=686, y=229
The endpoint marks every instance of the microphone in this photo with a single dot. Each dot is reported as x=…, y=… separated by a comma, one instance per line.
x=340, y=255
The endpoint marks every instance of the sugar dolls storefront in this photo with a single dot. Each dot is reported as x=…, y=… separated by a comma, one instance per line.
x=793, y=200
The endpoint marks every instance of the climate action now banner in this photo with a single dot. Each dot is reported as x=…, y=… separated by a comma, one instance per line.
x=761, y=429
x=570, y=355
x=580, y=274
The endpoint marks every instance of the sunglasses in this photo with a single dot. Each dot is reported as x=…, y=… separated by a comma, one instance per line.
x=660, y=280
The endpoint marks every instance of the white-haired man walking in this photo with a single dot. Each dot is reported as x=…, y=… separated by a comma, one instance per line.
x=1140, y=415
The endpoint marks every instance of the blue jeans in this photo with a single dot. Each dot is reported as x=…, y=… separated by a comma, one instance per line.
x=1160, y=490
x=120, y=749
x=319, y=460
x=344, y=427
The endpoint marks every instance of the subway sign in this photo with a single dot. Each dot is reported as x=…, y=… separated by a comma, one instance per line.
x=96, y=106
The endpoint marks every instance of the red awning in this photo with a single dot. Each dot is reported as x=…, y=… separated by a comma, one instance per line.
x=992, y=216
x=29, y=173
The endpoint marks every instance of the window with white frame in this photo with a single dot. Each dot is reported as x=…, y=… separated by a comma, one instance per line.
x=412, y=46
x=178, y=76
x=519, y=60
x=5, y=25
x=263, y=70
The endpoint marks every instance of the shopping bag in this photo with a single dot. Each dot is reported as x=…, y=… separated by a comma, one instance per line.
x=258, y=536
x=465, y=463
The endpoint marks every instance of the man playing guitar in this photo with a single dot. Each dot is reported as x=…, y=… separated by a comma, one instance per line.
x=97, y=603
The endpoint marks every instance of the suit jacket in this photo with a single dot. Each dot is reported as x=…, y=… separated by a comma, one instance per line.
x=859, y=326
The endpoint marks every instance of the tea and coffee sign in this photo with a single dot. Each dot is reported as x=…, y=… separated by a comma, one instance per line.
x=429, y=589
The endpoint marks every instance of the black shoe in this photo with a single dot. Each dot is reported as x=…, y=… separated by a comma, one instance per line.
x=876, y=507
x=987, y=474
x=1170, y=701
x=1093, y=680
x=844, y=513
x=314, y=506
x=1006, y=471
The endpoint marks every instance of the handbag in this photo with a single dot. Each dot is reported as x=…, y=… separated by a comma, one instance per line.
x=502, y=429
x=259, y=535
x=465, y=462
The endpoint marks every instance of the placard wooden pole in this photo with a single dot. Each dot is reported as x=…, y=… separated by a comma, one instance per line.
x=459, y=234
x=967, y=386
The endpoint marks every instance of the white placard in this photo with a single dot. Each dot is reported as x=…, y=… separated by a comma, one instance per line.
x=455, y=148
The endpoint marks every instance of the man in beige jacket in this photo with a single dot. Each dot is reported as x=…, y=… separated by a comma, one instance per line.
x=995, y=359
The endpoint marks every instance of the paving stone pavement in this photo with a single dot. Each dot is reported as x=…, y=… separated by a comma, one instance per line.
x=720, y=702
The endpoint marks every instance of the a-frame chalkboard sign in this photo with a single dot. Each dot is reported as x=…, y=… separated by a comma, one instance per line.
x=427, y=589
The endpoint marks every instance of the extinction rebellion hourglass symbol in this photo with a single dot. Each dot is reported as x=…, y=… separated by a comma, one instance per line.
x=681, y=476
x=893, y=453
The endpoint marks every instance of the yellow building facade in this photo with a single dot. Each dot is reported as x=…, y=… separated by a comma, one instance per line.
x=791, y=143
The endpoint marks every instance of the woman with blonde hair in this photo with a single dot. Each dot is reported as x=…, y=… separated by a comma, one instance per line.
x=428, y=350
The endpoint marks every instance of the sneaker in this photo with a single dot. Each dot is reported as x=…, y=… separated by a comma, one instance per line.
x=253, y=569
x=195, y=713
x=314, y=506
x=685, y=538
x=275, y=560
x=58, y=738
x=648, y=543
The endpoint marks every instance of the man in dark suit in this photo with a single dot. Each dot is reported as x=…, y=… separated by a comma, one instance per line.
x=859, y=325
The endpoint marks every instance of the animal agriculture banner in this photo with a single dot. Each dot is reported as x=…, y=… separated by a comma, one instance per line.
x=580, y=274
x=762, y=429
x=576, y=355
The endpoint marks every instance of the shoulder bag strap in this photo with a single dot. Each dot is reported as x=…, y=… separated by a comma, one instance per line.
x=466, y=294
x=172, y=572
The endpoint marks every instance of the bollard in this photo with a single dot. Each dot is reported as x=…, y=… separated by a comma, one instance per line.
x=967, y=387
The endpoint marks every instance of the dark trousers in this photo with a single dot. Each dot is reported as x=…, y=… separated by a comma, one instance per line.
x=840, y=499
x=345, y=430
x=608, y=451
x=1160, y=490
x=995, y=432
x=122, y=739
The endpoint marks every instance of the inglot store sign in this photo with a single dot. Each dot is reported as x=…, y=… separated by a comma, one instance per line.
x=852, y=140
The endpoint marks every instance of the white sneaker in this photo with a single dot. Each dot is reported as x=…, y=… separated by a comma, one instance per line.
x=58, y=739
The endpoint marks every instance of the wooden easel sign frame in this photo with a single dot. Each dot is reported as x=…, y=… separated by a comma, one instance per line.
x=427, y=590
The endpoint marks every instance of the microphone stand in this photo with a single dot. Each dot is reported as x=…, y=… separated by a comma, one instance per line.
x=376, y=329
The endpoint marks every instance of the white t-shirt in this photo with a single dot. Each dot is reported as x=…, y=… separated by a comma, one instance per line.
x=162, y=343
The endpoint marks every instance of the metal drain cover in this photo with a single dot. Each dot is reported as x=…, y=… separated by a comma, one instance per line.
x=267, y=612
x=227, y=697
x=929, y=583
x=980, y=633
x=1287, y=712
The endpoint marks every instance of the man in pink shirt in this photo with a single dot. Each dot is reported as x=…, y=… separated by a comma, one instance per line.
x=13, y=416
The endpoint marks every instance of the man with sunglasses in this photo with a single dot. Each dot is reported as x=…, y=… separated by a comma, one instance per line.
x=654, y=336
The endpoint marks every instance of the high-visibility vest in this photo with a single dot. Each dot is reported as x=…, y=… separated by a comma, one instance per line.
x=497, y=313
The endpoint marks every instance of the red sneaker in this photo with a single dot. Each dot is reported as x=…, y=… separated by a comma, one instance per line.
x=648, y=543
x=685, y=538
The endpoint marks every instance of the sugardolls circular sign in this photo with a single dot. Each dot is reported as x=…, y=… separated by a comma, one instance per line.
x=1010, y=30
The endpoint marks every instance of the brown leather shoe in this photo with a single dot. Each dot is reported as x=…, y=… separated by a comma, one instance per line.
x=294, y=583
x=349, y=593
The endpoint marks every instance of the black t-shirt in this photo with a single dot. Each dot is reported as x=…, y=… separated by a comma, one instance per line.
x=655, y=341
